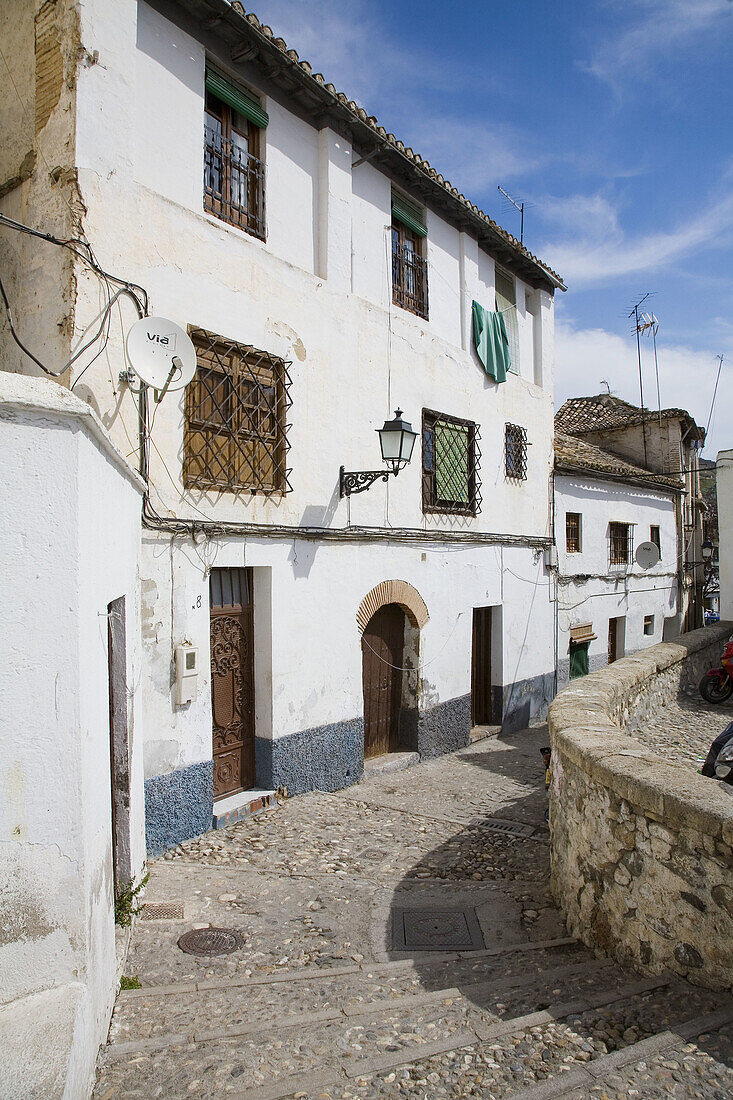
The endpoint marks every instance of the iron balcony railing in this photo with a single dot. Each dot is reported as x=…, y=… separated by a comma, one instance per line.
x=234, y=183
x=409, y=280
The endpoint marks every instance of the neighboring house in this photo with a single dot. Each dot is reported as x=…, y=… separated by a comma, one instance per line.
x=708, y=490
x=327, y=275
x=665, y=442
x=724, y=493
x=608, y=604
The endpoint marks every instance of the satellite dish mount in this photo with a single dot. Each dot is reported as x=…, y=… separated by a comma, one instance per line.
x=647, y=554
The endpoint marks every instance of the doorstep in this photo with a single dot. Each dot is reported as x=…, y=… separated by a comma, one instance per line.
x=390, y=762
x=478, y=733
x=244, y=804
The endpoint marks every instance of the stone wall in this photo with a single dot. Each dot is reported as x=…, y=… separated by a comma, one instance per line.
x=641, y=846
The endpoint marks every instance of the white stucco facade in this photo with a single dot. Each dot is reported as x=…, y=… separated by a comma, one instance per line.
x=317, y=292
x=593, y=591
x=70, y=547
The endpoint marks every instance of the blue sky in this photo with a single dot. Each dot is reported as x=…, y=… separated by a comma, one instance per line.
x=612, y=118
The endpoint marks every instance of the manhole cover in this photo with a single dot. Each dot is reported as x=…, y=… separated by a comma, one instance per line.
x=436, y=930
x=162, y=910
x=211, y=941
x=498, y=825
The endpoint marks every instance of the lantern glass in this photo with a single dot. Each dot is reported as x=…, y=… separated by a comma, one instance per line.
x=397, y=439
x=707, y=550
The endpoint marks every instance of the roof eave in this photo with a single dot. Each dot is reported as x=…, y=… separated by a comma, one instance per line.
x=325, y=105
x=565, y=467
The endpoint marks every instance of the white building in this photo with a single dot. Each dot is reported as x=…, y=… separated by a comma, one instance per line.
x=327, y=275
x=609, y=605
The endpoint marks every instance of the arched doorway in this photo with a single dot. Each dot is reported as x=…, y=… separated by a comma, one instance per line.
x=382, y=650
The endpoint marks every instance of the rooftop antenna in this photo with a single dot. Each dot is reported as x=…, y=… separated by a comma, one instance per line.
x=650, y=324
x=605, y=383
x=712, y=403
x=634, y=312
x=520, y=207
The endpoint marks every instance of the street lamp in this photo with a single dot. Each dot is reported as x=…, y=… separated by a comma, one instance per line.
x=396, y=440
x=707, y=550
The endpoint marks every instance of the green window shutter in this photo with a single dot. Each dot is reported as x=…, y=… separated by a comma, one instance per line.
x=410, y=216
x=578, y=659
x=451, y=463
x=240, y=100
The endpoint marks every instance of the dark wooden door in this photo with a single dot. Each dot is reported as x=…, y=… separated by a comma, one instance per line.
x=382, y=647
x=232, y=679
x=612, y=640
x=481, y=711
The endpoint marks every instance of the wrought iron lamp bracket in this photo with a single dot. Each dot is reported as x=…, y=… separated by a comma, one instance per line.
x=358, y=481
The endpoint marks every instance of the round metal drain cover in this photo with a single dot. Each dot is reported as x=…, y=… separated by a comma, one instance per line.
x=211, y=941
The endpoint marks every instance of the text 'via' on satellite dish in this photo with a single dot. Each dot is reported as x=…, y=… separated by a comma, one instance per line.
x=161, y=353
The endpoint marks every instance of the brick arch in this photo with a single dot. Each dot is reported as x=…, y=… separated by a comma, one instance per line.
x=399, y=592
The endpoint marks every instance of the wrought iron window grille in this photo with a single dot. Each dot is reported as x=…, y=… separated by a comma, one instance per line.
x=572, y=532
x=620, y=544
x=236, y=427
x=234, y=183
x=515, y=452
x=409, y=279
x=450, y=453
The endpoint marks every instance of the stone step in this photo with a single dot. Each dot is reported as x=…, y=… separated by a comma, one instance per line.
x=237, y=807
x=252, y=1006
x=389, y=762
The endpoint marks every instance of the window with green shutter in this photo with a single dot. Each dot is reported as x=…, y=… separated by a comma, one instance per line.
x=450, y=465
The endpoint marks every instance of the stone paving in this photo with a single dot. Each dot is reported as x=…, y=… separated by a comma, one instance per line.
x=683, y=729
x=319, y=1004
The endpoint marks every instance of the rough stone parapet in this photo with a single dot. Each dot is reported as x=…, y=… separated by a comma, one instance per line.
x=641, y=844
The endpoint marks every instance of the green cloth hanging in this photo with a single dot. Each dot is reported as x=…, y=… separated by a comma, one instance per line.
x=491, y=342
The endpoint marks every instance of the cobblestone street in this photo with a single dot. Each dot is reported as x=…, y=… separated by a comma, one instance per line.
x=683, y=729
x=400, y=940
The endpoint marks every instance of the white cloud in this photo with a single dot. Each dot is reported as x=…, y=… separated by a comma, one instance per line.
x=584, y=357
x=652, y=30
x=598, y=250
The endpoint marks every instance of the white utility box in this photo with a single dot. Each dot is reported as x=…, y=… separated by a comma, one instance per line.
x=187, y=674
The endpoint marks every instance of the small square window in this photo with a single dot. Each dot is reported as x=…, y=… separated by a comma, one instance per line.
x=649, y=624
x=620, y=536
x=515, y=452
x=573, y=532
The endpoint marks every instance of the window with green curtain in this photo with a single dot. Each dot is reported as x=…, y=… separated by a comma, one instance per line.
x=578, y=659
x=452, y=445
x=506, y=304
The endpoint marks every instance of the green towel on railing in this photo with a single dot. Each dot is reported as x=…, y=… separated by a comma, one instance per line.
x=491, y=342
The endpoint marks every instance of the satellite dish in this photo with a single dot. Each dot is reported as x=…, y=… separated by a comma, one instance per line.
x=647, y=554
x=161, y=353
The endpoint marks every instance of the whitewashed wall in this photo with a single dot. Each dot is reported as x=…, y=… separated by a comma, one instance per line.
x=590, y=591
x=318, y=293
x=69, y=546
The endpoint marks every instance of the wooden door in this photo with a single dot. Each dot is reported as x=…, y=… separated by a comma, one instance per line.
x=612, y=640
x=232, y=679
x=481, y=711
x=382, y=647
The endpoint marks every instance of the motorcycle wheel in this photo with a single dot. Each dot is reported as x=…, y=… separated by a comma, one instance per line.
x=715, y=689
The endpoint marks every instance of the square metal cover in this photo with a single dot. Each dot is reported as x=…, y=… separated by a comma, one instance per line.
x=436, y=930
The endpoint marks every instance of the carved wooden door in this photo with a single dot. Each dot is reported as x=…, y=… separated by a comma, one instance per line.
x=232, y=679
x=382, y=648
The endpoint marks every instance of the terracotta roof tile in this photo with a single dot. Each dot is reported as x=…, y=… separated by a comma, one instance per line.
x=576, y=455
x=604, y=412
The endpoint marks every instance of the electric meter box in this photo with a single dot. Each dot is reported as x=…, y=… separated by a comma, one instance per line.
x=187, y=674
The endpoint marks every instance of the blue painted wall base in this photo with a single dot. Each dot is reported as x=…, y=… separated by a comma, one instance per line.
x=444, y=728
x=178, y=806
x=526, y=701
x=325, y=758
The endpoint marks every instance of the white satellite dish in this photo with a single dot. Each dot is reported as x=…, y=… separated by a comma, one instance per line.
x=161, y=353
x=647, y=554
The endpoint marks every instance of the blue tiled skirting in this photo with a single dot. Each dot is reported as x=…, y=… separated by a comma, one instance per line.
x=444, y=728
x=325, y=758
x=526, y=701
x=178, y=806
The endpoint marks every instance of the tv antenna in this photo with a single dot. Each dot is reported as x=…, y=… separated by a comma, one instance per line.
x=634, y=312
x=715, y=392
x=161, y=354
x=518, y=206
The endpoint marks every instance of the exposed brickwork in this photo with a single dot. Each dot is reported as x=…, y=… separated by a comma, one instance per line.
x=399, y=592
